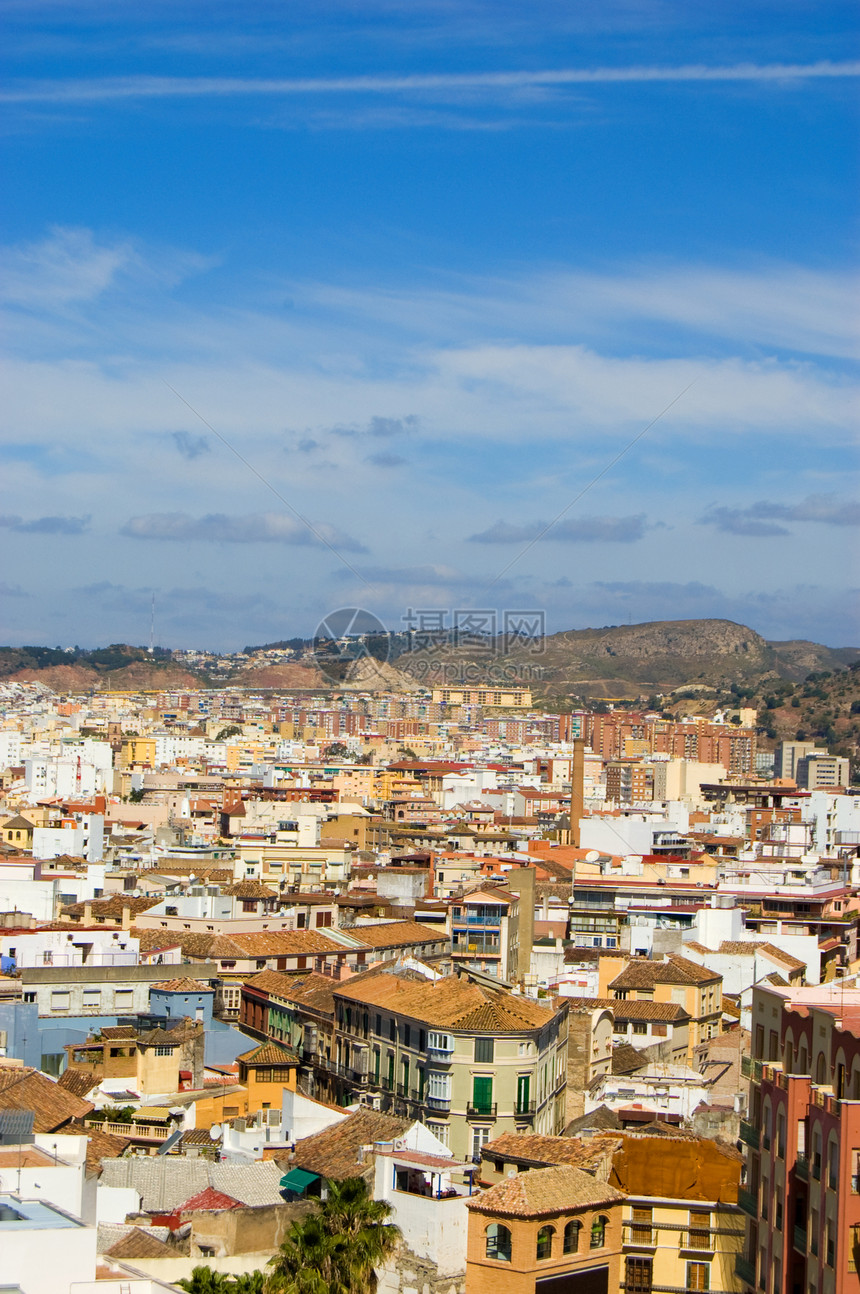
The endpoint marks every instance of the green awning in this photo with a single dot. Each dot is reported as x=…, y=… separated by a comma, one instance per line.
x=298, y=1180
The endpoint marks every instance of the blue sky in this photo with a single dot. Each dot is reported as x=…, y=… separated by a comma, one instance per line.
x=344, y=304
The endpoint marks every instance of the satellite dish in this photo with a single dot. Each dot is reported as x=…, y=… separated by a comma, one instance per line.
x=592, y=856
x=215, y=1132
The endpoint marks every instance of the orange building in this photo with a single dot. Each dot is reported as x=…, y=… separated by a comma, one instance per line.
x=548, y=1231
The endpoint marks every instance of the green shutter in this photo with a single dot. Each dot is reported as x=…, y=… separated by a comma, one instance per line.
x=482, y=1094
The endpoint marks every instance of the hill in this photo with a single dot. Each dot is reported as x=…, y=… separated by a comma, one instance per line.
x=628, y=661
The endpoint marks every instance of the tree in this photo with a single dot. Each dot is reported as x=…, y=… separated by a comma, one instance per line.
x=249, y=1283
x=304, y=1263
x=337, y=1249
x=203, y=1280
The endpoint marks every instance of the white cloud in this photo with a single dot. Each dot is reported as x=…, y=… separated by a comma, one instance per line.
x=432, y=85
x=219, y=528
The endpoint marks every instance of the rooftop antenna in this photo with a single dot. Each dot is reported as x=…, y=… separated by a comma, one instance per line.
x=152, y=626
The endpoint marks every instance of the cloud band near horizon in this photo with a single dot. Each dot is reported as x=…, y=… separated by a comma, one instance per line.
x=158, y=87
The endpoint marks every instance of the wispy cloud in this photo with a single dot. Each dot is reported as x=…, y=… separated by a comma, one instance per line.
x=72, y=267
x=503, y=82
x=46, y=525
x=384, y=459
x=220, y=528
x=189, y=445
x=763, y=519
x=584, y=530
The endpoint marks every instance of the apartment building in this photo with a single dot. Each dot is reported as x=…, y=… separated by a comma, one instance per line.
x=802, y=1137
x=469, y=1060
x=485, y=930
x=682, y=1229
x=681, y=982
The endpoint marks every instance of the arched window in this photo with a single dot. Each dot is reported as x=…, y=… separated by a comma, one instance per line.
x=544, y=1242
x=498, y=1242
x=571, y=1237
x=821, y=1070
x=803, y=1067
x=598, y=1233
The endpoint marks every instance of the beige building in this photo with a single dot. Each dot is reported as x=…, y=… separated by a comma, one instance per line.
x=468, y=1060
x=679, y=981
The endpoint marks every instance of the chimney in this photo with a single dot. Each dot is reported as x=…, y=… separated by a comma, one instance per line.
x=88, y=914
x=126, y=918
x=577, y=789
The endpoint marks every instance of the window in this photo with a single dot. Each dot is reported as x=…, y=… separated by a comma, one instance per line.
x=700, y=1229
x=407, y=1036
x=638, y=1275
x=598, y=1233
x=439, y=1086
x=440, y=1041
x=639, y=1027
x=571, y=1237
x=123, y=999
x=92, y=999
x=544, y=1243
x=60, y=1000
x=441, y=1131
x=392, y=1031
x=640, y=1230
x=498, y=1242
x=379, y=1024
x=698, y=1277
x=484, y=1051
x=164, y=1051
x=480, y=1137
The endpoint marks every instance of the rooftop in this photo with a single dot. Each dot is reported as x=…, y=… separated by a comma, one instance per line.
x=545, y=1191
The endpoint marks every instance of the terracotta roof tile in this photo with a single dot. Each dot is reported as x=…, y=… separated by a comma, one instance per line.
x=641, y=972
x=631, y=1008
x=533, y=1148
x=333, y=1153
x=451, y=1003
x=138, y=1244
x=269, y=1053
x=52, y=1105
x=183, y=985
x=393, y=933
x=79, y=1082
x=209, y=1200
x=544, y=1191
x=738, y=948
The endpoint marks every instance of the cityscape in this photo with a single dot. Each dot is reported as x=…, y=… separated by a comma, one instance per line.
x=429, y=648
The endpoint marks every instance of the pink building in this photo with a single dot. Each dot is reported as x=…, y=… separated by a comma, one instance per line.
x=802, y=1135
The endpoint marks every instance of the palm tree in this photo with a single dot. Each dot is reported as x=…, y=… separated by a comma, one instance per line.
x=303, y=1265
x=336, y=1249
x=351, y=1213
x=249, y=1283
x=203, y=1280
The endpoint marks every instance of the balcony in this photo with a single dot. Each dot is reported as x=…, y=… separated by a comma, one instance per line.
x=750, y=1135
x=745, y=1270
x=801, y=1168
x=748, y=1201
x=525, y=1111
x=800, y=1239
x=639, y=1235
x=485, y=1110
x=695, y=1240
x=135, y=1131
x=751, y=1068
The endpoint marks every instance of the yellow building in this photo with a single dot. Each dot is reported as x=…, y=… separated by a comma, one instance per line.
x=264, y=1072
x=676, y=980
x=137, y=750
